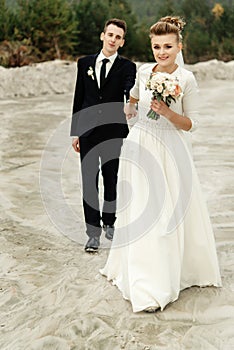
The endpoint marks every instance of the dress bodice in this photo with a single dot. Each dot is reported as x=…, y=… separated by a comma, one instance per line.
x=185, y=105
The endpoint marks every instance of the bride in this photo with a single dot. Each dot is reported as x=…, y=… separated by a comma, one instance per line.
x=164, y=241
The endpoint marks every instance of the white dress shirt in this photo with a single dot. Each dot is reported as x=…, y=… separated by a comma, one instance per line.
x=98, y=64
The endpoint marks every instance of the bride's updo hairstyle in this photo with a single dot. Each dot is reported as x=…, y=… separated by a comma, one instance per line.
x=168, y=25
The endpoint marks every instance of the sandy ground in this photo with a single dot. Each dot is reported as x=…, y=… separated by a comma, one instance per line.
x=51, y=293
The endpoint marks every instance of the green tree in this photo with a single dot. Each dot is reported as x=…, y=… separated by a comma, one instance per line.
x=147, y=10
x=6, y=21
x=36, y=30
x=3, y=19
x=91, y=19
x=197, y=44
x=195, y=8
x=167, y=9
x=49, y=24
x=122, y=9
x=222, y=33
x=196, y=34
x=143, y=50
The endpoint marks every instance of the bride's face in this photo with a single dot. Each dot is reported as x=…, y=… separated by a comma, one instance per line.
x=165, y=49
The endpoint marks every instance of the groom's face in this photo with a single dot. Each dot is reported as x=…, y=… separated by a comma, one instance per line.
x=112, y=38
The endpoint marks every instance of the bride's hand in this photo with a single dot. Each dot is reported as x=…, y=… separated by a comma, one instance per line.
x=130, y=110
x=159, y=107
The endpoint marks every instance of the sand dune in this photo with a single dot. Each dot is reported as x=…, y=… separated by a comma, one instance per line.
x=51, y=294
x=57, y=77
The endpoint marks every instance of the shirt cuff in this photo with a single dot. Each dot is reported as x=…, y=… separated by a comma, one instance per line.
x=194, y=125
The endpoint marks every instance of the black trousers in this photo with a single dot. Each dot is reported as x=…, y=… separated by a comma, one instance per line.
x=99, y=153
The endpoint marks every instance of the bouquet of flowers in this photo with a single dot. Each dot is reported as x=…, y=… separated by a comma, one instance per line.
x=165, y=88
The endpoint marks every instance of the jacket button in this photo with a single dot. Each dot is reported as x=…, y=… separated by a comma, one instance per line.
x=100, y=97
x=100, y=111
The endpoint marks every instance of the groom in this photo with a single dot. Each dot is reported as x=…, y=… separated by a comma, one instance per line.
x=99, y=126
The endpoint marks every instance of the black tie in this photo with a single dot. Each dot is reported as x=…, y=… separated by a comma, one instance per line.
x=103, y=71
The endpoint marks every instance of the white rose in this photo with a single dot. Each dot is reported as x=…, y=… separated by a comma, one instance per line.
x=160, y=88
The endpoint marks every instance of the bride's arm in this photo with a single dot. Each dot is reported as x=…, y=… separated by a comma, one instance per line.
x=133, y=100
x=130, y=106
x=180, y=121
x=190, y=103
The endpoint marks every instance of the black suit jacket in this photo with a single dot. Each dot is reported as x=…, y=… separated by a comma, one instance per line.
x=101, y=110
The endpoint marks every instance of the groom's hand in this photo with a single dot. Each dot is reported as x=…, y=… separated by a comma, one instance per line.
x=76, y=144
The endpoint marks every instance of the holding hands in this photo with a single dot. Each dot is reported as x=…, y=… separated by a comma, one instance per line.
x=130, y=110
x=76, y=144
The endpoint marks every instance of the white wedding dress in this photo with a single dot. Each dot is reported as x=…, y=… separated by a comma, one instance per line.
x=163, y=241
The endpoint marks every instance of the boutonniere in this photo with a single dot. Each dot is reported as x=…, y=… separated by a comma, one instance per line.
x=90, y=72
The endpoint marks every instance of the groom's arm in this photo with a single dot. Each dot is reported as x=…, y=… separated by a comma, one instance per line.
x=129, y=79
x=77, y=99
x=79, y=89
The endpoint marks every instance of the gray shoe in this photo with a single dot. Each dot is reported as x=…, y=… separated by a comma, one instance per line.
x=92, y=245
x=109, y=231
x=152, y=309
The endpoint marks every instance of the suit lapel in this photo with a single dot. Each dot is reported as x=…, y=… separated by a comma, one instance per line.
x=92, y=64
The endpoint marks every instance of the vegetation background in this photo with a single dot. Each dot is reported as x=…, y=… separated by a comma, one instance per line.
x=40, y=30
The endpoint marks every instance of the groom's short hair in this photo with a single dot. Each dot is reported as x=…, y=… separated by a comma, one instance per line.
x=117, y=22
